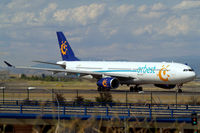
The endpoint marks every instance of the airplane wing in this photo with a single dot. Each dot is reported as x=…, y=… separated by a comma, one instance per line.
x=63, y=66
x=94, y=74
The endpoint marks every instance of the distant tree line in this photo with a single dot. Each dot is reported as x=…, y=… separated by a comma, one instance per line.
x=104, y=99
x=44, y=77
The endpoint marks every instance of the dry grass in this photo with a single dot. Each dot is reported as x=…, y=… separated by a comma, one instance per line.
x=91, y=85
x=92, y=125
x=131, y=97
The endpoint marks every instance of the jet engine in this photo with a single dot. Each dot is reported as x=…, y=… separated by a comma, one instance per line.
x=165, y=86
x=108, y=83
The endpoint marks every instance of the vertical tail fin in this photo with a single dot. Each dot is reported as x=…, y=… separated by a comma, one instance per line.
x=65, y=49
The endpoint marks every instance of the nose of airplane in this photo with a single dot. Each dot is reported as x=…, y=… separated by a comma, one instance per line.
x=192, y=75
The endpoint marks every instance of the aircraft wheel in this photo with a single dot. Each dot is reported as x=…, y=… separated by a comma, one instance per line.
x=106, y=89
x=103, y=89
x=139, y=89
x=131, y=89
x=179, y=91
x=99, y=88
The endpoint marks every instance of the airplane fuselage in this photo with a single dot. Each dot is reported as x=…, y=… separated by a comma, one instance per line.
x=139, y=72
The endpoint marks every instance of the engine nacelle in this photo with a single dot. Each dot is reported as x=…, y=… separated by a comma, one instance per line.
x=109, y=83
x=165, y=86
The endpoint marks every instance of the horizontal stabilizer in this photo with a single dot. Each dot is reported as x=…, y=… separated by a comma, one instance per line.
x=8, y=64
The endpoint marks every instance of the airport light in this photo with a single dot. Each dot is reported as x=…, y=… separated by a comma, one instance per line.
x=52, y=92
x=58, y=107
x=3, y=88
x=29, y=88
x=194, y=118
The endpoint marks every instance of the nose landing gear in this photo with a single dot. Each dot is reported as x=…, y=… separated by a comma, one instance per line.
x=179, y=90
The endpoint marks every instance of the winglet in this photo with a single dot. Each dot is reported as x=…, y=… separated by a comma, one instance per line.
x=8, y=64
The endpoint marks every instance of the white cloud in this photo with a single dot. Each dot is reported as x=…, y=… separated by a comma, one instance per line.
x=76, y=39
x=158, y=6
x=122, y=9
x=16, y=3
x=113, y=31
x=25, y=17
x=22, y=17
x=107, y=29
x=146, y=29
x=187, y=5
x=152, y=14
x=176, y=26
x=81, y=15
x=43, y=14
x=142, y=8
x=61, y=15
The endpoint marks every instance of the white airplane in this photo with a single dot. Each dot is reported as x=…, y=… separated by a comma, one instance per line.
x=111, y=74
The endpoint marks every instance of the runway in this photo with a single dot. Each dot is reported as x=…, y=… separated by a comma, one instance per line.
x=40, y=90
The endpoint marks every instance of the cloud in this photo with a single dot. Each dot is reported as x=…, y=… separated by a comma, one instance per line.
x=76, y=39
x=176, y=26
x=122, y=10
x=16, y=3
x=152, y=14
x=51, y=7
x=146, y=29
x=142, y=8
x=22, y=17
x=158, y=6
x=107, y=29
x=61, y=15
x=98, y=29
x=80, y=15
x=187, y=5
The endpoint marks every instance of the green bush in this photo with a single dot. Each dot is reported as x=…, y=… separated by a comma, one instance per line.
x=104, y=98
x=60, y=98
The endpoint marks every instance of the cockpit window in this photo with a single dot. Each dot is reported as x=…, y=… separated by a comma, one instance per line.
x=191, y=70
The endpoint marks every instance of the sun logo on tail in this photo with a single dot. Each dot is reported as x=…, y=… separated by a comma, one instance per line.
x=163, y=73
x=63, y=48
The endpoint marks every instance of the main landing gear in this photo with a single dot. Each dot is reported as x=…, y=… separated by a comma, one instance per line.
x=135, y=89
x=102, y=89
x=179, y=90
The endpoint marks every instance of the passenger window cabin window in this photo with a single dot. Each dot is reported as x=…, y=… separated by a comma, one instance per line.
x=191, y=70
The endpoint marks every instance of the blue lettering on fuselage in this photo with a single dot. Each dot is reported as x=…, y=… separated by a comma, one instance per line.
x=146, y=69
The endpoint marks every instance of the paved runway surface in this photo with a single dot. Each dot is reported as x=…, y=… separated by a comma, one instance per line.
x=38, y=90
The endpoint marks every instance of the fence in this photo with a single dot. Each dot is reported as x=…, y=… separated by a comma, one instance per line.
x=159, y=112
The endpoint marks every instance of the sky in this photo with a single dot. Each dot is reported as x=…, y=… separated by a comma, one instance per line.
x=133, y=30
